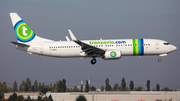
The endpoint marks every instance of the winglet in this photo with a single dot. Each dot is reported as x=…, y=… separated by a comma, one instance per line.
x=67, y=38
x=72, y=35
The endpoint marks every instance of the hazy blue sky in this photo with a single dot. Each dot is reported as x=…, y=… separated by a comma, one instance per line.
x=107, y=19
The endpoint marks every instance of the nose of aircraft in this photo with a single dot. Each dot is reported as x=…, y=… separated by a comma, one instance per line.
x=173, y=48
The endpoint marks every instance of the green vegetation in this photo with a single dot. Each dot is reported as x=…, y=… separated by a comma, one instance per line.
x=116, y=87
x=166, y=89
x=102, y=88
x=131, y=85
x=81, y=98
x=139, y=88
x=35, y=85
x=157, y=87
x=81, y=88
x=50, y=98
x=87, y=86
x=123, y=84
x=108, y=87
x=29, y=98
x=15, y=86
x=39, y=98
x=60, y=86
x=75, y=89
x=93, y=88
x=14, y=97
x=3, y=87
x=1, y=95
x=148, y=85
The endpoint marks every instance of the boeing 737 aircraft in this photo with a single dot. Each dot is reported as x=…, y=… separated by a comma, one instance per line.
x=111, y=49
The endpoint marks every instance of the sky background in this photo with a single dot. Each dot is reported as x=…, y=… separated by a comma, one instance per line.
x=106, y=19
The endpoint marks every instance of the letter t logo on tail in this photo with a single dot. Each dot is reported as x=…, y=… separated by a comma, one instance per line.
x=24, y=31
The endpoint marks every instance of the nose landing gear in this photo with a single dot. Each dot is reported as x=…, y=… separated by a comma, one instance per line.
x=159, y=59
x=93, y=61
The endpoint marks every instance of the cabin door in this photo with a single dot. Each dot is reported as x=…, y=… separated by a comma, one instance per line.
x=157, y=45
x=41, y=48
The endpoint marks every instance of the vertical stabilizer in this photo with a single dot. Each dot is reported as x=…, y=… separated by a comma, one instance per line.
x=23, y=33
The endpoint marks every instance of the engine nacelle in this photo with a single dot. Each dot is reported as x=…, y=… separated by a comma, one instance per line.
x=112, y=55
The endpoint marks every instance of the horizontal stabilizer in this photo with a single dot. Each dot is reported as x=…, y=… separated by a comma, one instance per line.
x=20, y=44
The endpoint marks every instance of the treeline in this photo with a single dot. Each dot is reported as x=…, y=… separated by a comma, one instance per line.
x=25, y=86
x=60, y=86
x=124, y=87
x=15, y=97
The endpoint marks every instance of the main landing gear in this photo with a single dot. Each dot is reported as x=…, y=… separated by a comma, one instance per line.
x=93, y=61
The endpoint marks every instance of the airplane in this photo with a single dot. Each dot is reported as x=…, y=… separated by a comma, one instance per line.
x=109, y=49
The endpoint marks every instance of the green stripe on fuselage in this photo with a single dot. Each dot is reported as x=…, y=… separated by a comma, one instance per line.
x=134, y=47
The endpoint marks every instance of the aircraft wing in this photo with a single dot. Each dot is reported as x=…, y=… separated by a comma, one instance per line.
x=88, y=49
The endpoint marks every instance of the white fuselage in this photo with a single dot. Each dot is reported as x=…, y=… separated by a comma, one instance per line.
x=126, y=46
x=111, y=49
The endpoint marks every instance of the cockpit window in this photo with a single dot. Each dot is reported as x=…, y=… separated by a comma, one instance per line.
x=166, y=43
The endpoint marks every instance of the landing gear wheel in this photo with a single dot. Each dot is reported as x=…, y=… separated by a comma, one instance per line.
x=159, y=59
x=93, y=61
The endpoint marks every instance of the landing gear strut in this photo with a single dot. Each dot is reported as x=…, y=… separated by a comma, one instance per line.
x=159, y=59
x=93, y=61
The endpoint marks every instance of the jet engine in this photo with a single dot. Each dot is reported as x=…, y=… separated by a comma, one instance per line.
x=112, y=55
